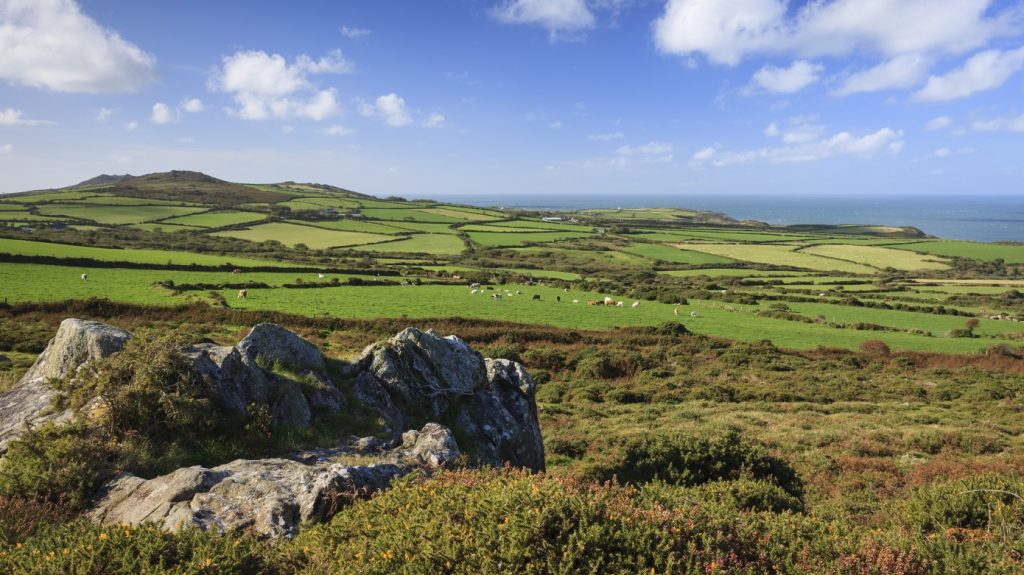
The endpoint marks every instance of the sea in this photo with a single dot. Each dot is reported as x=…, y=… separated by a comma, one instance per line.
x=977, y=217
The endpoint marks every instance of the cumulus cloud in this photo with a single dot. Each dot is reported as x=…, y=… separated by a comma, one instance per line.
x=606, y=137
x=796, y=77
x=434, y=120
x=942, y=152
x=939, y=123
x=130, y=126
x=51, y=44
x=13, y=117
x=556, y=16
x=192, y=105
x=266, y=86
x=353, y=33
x=901, y=72
x=841, y=144
x=104, y=114
x=727, y=31
x=982, y=71
x=163, y=114
x=6, y=149
x=389, y=107
x=904, y=36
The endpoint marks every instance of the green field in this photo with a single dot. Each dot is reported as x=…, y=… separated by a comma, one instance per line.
x=441, y=244
x=313, y=237
x=1009, y=253
x=216, y=219
x=675, y=255
x=501, y=239
x=30, y=248
x=878, y=257
x=405, y=214
x=777, y=255
x=116, y=215
x=348, y=225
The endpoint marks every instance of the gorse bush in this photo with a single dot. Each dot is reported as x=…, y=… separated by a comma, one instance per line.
x=688, y=460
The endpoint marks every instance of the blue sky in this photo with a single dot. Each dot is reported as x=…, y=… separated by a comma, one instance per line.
x=502, y=97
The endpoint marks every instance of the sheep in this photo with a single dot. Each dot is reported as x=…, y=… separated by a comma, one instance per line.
x=558, y=298
x=536, y=297
x=474, y=292
x=566, y=290
x=243, y=294
x=575, y=301
x=495, y=296
x=85, y=277
x=620, y=304
x=519, y=292
x=636, y=304
x=693, y=313
x=675, y=311
x=474, y=285
x=321, y=276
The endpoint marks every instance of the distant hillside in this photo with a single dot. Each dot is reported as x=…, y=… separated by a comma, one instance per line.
x=187, y=186
x=102, y=179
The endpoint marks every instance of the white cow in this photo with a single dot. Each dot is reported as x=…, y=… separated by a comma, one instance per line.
x=608, y=301
x=620, y=304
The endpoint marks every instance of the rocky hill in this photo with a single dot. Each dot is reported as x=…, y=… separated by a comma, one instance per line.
x=438, y=401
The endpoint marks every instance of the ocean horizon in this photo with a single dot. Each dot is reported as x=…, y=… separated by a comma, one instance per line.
x=962, y=217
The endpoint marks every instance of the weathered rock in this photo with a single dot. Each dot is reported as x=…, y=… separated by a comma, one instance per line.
x=270, y=497
x=76, y=343
x=268, y=344
x=430, y=378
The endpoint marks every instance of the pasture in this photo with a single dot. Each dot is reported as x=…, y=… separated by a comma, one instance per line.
x=216, y=219
x=675, y=255
x=313, y=237
x=142, y=256
x=876, y=256
x=1009, y=253
x=777, y=255
x=504, y=239
x=439, y=244
x=116, y=215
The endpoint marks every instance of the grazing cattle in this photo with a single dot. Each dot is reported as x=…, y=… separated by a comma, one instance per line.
x=693, y=313
x=575, y=301
x=636, y=304
x=620, y=304
x=609, y=301
x=536, y=297
x=558, y=298
x=242, y=294
x=675, y=311
x=474, y=285
x=594, y=302
x=474, y=292
x=85, y=277
x=495, y=296
x=519, y=292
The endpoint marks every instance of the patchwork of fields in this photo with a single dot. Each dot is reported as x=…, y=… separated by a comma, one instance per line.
x=799, y=288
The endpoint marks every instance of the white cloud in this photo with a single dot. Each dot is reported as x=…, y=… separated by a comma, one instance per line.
x=192, y=105
x=353, y=33
x=1004, y=124
x=772, y=130
x=12, y=117
x=434, y=120
x=556, y=16
x=727, y=31
x=6, y=149
x=556, y=125
x=982, y=71
x=50, y=44
x=788, y=80
x=802, y=134
x=130, y=126
x=391, y=107
x=336, y=130
x=651, y=152
x=841, y=144
x=265, y=86
x=606, y=137
x=939, y=123
x=902, y=72
x=703, y=154
x=104, y=114
x=942, y=152
x=163, y=114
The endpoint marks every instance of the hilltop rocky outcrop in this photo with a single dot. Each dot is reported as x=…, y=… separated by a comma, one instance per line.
x=426, y=389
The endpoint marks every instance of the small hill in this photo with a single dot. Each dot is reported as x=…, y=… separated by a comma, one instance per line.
x=102, y=179
x=187, y=186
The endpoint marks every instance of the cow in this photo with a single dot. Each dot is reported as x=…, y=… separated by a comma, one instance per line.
x=474, y=285
x=594, y=302
x=242, y=294
x=85, y=277
x=636, y=304
x=620, y=304
x=558, y=298
x=536, y=297
x=608, y=301
x=495, y=296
